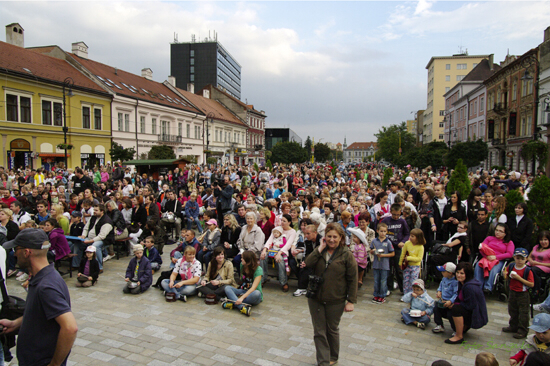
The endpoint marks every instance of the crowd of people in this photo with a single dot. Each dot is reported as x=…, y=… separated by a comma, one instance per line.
x=325, y=226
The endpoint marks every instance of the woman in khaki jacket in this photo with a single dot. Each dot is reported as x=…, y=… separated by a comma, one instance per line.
x=219, y=275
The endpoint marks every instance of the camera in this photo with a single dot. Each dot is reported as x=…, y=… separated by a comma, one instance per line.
x=313, y=285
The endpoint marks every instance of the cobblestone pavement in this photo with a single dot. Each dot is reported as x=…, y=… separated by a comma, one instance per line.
x=118, y=329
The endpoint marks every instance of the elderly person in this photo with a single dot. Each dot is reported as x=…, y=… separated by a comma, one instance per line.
x=252, y=238
x=290, y=234
x=502, y=247
x=336, y=294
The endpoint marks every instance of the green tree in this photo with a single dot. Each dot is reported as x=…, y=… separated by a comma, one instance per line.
x=427, y=155
x=388, y=142
x=211, y=160
x=472, y=153
x=288, y=152
x=268, y=165
x=322, y=152
x=459, y=180
x=307, y=146
x=388, y=172
x=118, y=153
x=513, y=197
x=538, y=204
x=161, y=152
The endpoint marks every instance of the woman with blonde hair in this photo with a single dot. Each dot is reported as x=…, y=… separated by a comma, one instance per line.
x=230, y=234
x=57, y=212
x=497, y=215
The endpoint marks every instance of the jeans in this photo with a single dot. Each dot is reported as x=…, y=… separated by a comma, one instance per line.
x=186, y=290
x=196, y=220
x=233, y=293
x=281, y=269
x=490, y=281
x=237, y=264
x=405, y=313
x=12, y=261
x=204, y=257
x=77, y=247
x=380, y=282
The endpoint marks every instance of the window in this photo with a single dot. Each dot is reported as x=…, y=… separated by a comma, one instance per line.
x=514, y=91
x=234, y=137
x=18, y=108
x=441, y=136
x=447, y=77
x=523, y=126
x=188, y=131
x=459, y=77
x=127, y=122
x=165, y=128
x=12, y=109
x=142, y=124
x=442, y=112
x=192, y=77
x=528, y=125
x=120, y=122
x=180, y=129
x=441, y=124
x=461, y=66
x=97, y=118
x=192, y=69
x=48, y=117
x=481, y=104
x=85, y=117
x=154, y=126
x=192, y=53
x=447, y=66
x=192, y=61
x=216, y=135
x=512, y=125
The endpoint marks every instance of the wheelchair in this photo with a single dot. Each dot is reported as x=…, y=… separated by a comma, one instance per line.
x=537, y=295
x=500, y=285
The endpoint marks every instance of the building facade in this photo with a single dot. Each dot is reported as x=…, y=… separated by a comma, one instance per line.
x=543, y=116
x=275, y=135
x=359, y=152
x=34, y=111
x=443, y=73
x=203, y=63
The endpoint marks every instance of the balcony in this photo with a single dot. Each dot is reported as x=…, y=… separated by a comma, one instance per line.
x=497, y=142
x=169, y=139
x=499, y=108
x=258, y=147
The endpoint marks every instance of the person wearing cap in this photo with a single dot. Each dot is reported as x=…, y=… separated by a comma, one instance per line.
x=209, y=240
x=521, y=280
x=138, y=270
x=419, y=300
x=47, y=329
x=538, y=342
x=89, y=267
x=513, y=182
x=446, y=295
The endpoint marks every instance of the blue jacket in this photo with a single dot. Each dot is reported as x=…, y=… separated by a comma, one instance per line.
x=448, y=288
x=192, y=209
x=154, y=256
x=423, y=302
x=474, y=301
x=145, y=273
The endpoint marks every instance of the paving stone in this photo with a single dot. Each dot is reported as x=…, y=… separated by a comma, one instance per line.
x=101, y=356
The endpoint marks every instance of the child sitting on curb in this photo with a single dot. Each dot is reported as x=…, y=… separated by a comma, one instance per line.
x=421, y=302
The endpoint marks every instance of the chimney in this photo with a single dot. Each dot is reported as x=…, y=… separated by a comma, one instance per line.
x=15, y=35
x=191, y=88
x=80, y=49
x=491, y=60
x=206, y=93
x=172, y=80
x=547, y=34
x=147, y=73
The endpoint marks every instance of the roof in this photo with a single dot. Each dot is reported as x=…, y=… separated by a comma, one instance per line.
x=134, y=86
x=245, y=106
x=522, y=60
x=361, y=146
x=462, y=56
x=207, y=106
x=154, y=162
x=37, y=65
x=482, y=71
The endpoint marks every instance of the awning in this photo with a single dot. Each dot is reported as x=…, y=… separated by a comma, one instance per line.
x=53, y=155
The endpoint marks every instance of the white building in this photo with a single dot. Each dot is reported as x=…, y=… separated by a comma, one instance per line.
x=359, y=152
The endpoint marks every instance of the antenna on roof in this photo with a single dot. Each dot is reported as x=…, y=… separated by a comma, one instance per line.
x=192, y=38
x=116, y=71
x=175, y=37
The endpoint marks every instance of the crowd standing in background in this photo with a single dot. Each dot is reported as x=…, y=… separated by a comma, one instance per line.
x=326, y=226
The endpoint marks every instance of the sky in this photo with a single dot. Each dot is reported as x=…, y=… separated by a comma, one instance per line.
x=325, y=69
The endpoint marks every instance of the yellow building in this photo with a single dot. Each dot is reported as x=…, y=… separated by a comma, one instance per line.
x=443, y=73
x=31, y=111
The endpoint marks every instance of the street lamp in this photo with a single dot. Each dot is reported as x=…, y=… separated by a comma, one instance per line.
x=67, y=83
x=210, y=116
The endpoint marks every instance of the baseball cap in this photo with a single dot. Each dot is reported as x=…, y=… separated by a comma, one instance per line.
x=447, y=267
x=212, y=222
x=419, y=283
x=343, y=199
x=91, y=248
x=541, y=323
x=521, y=251
x=29, y=238
x=76, y=213
x=408, y=179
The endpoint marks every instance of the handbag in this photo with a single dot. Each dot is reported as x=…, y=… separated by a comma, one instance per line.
x=440, y=249
x=13, y=307
x=405, y=263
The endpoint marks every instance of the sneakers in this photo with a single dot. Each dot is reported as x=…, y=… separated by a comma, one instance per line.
x=107, y=258
x=182, y=298
x=421, y=325
x=537, y=307
x=227, y=305
x=375, y=299
x=388, y=293
x=299, y=292
x=246, y=310
x=438, y=329
x=22, y=278
x=11, y=272
x=381, y=300
x=199, y=294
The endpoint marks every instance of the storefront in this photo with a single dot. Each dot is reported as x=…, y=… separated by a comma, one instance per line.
x=20, y=154
x=89, y=161
x=50, y=160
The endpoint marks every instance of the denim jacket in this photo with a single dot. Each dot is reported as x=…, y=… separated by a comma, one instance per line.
x=448, y=288
x=423, y=302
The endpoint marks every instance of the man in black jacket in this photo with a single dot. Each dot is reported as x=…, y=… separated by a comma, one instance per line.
x=224, y=194
x=81, y=182
x=477, y=232
x=171, y=205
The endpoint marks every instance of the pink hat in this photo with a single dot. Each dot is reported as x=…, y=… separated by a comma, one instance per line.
x=212, y=222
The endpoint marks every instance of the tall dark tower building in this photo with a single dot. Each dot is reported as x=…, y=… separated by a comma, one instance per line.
x=205, y=62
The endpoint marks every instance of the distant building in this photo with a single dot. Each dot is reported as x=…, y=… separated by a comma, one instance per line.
x=412, y=127
x=203, y=63
x=359, y=152
x=276, y=135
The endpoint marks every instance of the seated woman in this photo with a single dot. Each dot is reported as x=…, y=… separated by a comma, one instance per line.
x=210, y=240
x=218, y=276
x=230, y=234
x=60, y=246
x=250, y=292
x=503, y=248
x=469, y=309
x=252, y=238
x=189, y=270
x=290, y=235
x=539, y=259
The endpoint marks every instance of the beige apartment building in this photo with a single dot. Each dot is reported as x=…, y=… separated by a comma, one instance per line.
x=444, y=72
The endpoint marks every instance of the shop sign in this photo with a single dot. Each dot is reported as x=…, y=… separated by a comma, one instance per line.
x=84, y=156
x=20, y=144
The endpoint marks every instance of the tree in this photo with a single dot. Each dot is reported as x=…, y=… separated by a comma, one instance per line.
x=513, y=197
x=387, y=175
x=268, y=165
x=472, y=153
x=161, y=152
x=118, y=153
x=459, y=180
x=537, y=150
x=307, y=146
x=538, y=204
x=288, y=152
x=427, y=155
x=388, y=142
x=322, y=152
